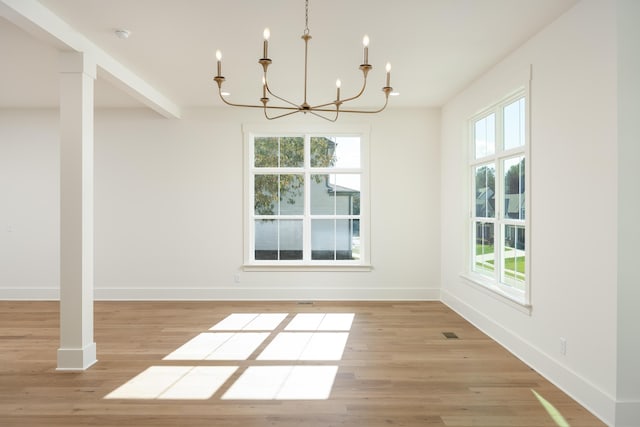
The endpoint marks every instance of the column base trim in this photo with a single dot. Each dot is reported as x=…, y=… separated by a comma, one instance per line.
x=76, y=359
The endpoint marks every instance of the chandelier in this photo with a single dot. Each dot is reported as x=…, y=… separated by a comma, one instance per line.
x=327, y=110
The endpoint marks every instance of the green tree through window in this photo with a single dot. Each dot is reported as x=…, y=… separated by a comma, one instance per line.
x=286, y=152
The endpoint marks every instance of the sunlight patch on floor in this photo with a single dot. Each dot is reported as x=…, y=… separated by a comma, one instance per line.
x=239, y=346
x=199, y=347
x=309, y=337
x=321, y=322
x=250, y=322
x=306, y=346
x=219, y=346
x=555, y=415
x=283, y=383
x=174, y=382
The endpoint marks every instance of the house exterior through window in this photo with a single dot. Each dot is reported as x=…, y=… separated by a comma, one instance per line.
x=499, y=205
x=305, y=199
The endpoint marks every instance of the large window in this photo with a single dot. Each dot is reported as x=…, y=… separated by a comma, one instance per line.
x=305, y=195
x=499, y=185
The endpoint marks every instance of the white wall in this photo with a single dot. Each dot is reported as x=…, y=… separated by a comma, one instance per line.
x=29, y=204
x=573, y=163
x=168, y=209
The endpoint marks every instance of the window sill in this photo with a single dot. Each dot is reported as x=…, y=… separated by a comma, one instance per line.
x=307, y=267
x=489, y=288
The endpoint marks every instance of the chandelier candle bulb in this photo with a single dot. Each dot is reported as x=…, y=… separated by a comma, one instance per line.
x=266, y=35
x=365, y=43
x=388, y=68
x=219, y=57
x=338, y=84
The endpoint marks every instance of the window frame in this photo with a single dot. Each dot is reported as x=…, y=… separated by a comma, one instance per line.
x=256, y=131
x=494, y=282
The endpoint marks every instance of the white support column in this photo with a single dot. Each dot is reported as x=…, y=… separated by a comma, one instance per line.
x=628, y=339
x=77, y=349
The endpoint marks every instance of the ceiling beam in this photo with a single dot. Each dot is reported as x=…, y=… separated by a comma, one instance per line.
x=34, y=18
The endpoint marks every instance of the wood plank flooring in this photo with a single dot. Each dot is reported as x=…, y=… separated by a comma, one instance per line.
x=397, y=370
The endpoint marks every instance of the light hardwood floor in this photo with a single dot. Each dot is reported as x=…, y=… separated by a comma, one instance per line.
x=397, y=370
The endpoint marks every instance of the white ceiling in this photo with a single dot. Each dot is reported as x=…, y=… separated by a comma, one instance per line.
x=436, y=47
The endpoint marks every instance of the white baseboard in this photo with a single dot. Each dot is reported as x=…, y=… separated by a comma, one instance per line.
x=270, y=294
x=29, y=294
x=598, y=402
x=235, y=294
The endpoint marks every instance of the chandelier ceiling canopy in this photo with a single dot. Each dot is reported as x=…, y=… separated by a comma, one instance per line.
x=275, y=106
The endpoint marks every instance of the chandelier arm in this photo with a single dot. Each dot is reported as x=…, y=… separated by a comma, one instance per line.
x=358, y=95
x=261, y=106
x=295, y=108
x=386, y=101
x=326, y=118
x=321, y=106
x=326, y=110
x=234, y=104
x=278, y=97
x=281, y=115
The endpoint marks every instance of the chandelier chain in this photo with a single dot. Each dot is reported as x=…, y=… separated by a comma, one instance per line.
x=306, y=17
